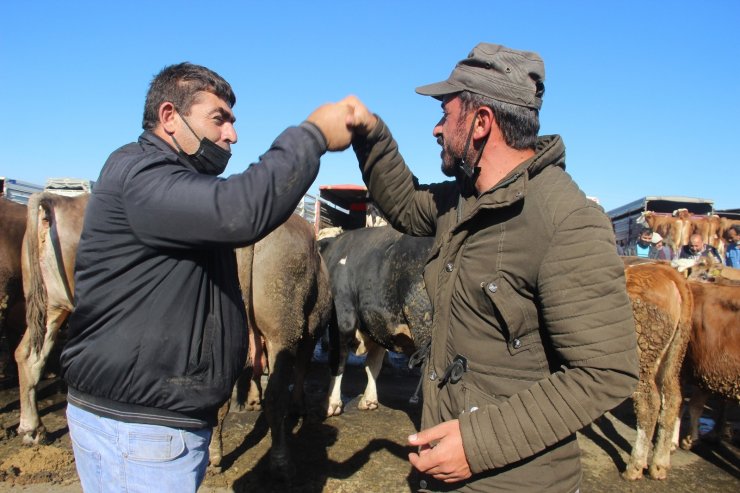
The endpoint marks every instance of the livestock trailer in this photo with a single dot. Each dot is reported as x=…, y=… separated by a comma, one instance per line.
x=17, y=190
x=625, y=219
x=346, y=206
x=69, y=186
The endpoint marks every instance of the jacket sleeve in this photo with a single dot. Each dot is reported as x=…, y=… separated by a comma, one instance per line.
x=587, y=317
x=170, y=206
x=409, y=207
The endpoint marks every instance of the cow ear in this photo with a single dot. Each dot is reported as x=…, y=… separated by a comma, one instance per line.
x=167, y=114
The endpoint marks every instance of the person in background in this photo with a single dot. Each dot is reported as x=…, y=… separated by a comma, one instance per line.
x=532, y=339
x=643, y=247
x=158, y=334
x=664, y=251
x=697, y=248
x=732, y=250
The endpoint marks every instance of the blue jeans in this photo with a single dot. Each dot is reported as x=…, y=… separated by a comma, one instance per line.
x=123, y=457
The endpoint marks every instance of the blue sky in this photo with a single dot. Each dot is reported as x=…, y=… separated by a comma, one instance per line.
x=644, y=93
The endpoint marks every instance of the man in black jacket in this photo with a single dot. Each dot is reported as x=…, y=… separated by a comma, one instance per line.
x=158, y=335
x=697, y=248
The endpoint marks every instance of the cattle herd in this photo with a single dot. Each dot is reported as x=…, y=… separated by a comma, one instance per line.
x=364, y=288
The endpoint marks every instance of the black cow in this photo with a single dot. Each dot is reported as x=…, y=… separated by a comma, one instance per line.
x=380, y=302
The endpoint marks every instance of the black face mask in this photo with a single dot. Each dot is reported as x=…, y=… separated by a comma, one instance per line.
x=209, y=159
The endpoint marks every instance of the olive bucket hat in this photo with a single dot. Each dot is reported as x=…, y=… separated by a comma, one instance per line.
x=501, y=73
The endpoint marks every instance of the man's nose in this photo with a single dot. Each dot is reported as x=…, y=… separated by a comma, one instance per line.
x=437, y=130
x=228, y=133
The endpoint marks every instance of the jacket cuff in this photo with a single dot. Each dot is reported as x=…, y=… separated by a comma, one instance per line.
x=373, y=136
x=480, y=457
x=314, y=130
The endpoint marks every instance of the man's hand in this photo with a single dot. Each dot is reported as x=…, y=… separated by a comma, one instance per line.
x=441, y=453
x=360, y=120
x=331, y=119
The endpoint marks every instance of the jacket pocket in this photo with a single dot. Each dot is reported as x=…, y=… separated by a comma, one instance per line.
x=517, y=314
x=202, y=354
x=484, y=384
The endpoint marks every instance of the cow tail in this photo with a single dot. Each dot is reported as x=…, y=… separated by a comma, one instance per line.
x=687, y=312
x=245, y=283
x=36, y=298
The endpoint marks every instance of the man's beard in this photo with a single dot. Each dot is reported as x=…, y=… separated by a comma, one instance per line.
x=452, y=158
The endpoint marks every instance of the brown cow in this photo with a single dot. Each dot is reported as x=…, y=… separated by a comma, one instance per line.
x=48, y=260
x=288, y=300
x=669, y=227
x=12, y=312
x=714, y=348
x=708, y=228
x=661, y=305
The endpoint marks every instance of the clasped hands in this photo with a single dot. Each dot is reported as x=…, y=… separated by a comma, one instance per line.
x=340, y=121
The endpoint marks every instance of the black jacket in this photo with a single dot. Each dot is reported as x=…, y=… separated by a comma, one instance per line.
x=158, y=334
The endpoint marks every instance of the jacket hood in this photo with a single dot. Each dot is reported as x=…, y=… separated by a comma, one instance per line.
x=549, y=151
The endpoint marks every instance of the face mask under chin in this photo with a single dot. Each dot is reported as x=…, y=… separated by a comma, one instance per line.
x=209, y=158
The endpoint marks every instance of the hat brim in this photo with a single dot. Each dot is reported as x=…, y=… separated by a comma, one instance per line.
x=438, y=90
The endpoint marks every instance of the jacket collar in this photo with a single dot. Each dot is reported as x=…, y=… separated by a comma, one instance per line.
x=148, y=138
x=549, y=151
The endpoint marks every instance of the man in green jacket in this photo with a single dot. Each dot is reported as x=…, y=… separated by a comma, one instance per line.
x=533, y=332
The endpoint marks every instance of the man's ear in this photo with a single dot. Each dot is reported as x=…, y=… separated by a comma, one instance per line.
x=484, y=123
x=167, y=114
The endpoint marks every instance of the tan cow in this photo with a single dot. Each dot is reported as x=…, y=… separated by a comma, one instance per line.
x=671, y=228
x=661, y=306
x=289, y=304
x=708, y=227
x=48, y=259
x=12, y=311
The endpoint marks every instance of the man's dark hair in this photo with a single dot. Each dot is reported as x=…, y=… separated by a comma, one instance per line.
x=519, y=125
x=735, y=228
x=646, y=230
x=179, y=84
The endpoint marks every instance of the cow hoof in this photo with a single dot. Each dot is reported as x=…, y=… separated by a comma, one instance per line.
x=687, y=443
x=36, y=437
x=367, y=405
x=632, y=473
x=281, y=468
x=333, y=410
x=214, y=461
x=253, y=406
x=658, y=472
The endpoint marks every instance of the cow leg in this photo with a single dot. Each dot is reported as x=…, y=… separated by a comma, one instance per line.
x=671, y=397
x=216, y=447
x=339, y=341
x=30, y=369
x=696, y=407
x=276, y=405
x=257, y=358
x=373, y=364
x=303, y=359
x=646, y=405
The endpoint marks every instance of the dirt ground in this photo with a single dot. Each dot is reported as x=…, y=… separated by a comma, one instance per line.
x=359, y=451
